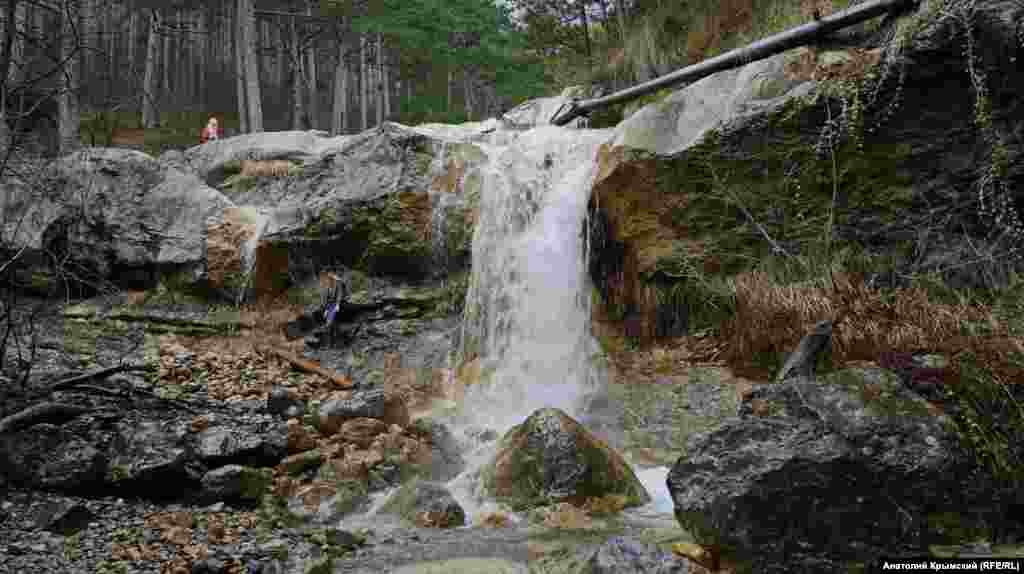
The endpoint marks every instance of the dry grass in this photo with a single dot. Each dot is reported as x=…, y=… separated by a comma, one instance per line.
x=771, y=319
x=274, y=168
x=566, y=516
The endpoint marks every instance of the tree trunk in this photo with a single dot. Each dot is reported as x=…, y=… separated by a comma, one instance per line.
x=620, y=13
x=252, y=71
x=386, y=78
x=239, y=35
x=7, y=70
x=133, y=26
x=68, y=106
x=339, y=111
x=204, y=59
x=448, y=94
x=149, y=89
x=586, y=32
x=165, y=68
x=296, y=66
x=363, y=75
x=775, y=44
x=311, y=76
x=380, y=79
x=467, y=79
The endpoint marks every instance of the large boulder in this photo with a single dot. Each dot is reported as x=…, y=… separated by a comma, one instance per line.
x=858, y=457
x=150, y=456
x=51, y=457
x=119, y=213
x=551, y=458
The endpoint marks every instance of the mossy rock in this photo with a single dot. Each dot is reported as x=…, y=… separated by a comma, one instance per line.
x=551, y=458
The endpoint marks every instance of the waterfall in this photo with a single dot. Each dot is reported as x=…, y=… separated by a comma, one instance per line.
x=527, y=312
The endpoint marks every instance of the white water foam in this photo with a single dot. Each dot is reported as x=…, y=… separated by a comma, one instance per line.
x=260, y=219
x=653, y=479
x=527, y=311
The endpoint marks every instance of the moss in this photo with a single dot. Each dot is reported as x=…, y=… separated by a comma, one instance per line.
x=350, y=495
x=323, y=565
x=886, y=398
x=525, y=488
x=255, y=482
x=954, y=528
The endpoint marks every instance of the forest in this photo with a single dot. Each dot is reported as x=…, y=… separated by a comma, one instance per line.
x=104, y=71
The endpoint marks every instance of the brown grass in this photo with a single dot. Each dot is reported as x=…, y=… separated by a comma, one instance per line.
x=276, y=167
x=772, y=318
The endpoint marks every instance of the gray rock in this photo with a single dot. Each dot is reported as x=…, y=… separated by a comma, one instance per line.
x=801, y=363
x=143, y=216
x=446, y=460
x=47, y=456
x=63, y=517
x=371, y=403
x=150, y=453
x=253, y=446
x=426, y=504
x=620, y=555
x=282, y=401
x=864, y=473
x=236, y=483
x=209, y=566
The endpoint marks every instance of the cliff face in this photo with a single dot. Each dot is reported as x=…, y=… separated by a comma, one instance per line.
x=911, y=143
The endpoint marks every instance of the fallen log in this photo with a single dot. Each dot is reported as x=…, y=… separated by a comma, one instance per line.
x=53, y=413
x=94, y=376
x=775, y=44
x=307, y=366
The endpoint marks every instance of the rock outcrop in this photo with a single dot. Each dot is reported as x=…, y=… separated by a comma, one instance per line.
x=860, y=458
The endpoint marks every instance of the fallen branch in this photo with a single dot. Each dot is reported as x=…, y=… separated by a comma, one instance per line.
x=806, y=34
x=54, y=413
x=307, y=366
x=95, y=376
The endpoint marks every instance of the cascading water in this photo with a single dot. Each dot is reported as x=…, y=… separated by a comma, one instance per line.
x=527, y=313
x=259, y=219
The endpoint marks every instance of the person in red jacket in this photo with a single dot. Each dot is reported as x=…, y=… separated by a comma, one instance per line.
x=210, y=132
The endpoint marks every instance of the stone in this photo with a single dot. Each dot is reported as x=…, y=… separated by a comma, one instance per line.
x=446, y=460
x=63, y=517
x=551, y=458
x=361, y=431
x=426, y=504
x=150, y=457
x=300, y=437
x=375, y=404
x=51, y=457
x=299, y=463
x=230, y=445
x=621, y=555
x=282, y=401
x=857, y=455
x=209, y=566
x=802, y=361
x=236, y=483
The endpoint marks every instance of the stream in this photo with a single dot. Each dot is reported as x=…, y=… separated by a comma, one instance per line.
x=526, y=326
